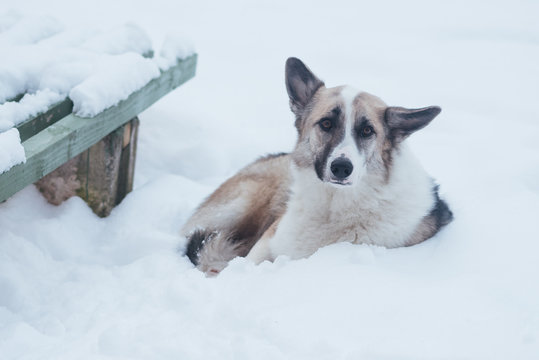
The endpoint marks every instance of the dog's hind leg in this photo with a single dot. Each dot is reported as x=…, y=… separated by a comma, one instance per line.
x=232, y=219
x=211, y=250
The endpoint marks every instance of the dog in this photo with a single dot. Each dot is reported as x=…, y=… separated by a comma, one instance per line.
x=351, y=177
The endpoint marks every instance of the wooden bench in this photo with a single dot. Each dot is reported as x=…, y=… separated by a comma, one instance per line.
x=90, y=157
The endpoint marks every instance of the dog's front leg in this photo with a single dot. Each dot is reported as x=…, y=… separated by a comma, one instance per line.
x=261, y=251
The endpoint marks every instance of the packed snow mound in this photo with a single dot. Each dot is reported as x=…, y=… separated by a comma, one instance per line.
x=13, y=113
x=11, y=150
x=96, y=68
x=174, y=47
x=113, y=79
x=40, y=54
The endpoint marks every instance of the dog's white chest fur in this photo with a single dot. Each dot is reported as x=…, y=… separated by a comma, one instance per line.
x=320, y=214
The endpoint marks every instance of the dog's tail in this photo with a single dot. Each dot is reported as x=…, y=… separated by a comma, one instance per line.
x=441, y=212
x=211, y=251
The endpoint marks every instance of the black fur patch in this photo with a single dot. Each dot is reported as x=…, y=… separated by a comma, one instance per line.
x=441, y=212
x=196, y=242
x=337, y=135
x=321, y=161
x=359, y=125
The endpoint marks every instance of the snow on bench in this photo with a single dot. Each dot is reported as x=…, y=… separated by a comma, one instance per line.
x=66, y=92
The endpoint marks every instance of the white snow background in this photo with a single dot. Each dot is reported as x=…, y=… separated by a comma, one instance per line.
x=73, y=286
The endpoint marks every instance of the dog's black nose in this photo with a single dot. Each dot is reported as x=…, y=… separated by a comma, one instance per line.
x=341, y=168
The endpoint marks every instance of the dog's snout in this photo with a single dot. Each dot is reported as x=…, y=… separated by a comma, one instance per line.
x=341, y=168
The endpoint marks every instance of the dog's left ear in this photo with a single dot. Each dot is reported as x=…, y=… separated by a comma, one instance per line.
x=301, y=84
x=402, y=122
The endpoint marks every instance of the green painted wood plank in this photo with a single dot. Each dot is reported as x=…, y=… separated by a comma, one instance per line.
x=148, y=54
x=32, y=126
x=16, y=98
x=72, y=135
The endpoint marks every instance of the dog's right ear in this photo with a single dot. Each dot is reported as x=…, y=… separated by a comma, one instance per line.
x=301, y=84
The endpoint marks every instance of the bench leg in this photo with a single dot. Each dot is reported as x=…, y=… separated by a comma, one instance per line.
x=126, y=173
x=101, y=175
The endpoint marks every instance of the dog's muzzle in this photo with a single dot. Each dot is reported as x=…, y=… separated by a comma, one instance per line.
x=341, y=169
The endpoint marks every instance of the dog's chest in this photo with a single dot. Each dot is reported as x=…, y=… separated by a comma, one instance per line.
x=317, y=219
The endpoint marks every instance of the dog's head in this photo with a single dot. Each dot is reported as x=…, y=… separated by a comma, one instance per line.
x=345, y=134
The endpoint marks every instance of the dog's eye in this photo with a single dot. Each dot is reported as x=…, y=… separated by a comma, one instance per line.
x=326, y=124
x=367, y=131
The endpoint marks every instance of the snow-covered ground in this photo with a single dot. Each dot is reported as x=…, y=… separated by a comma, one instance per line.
x=73, y=286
